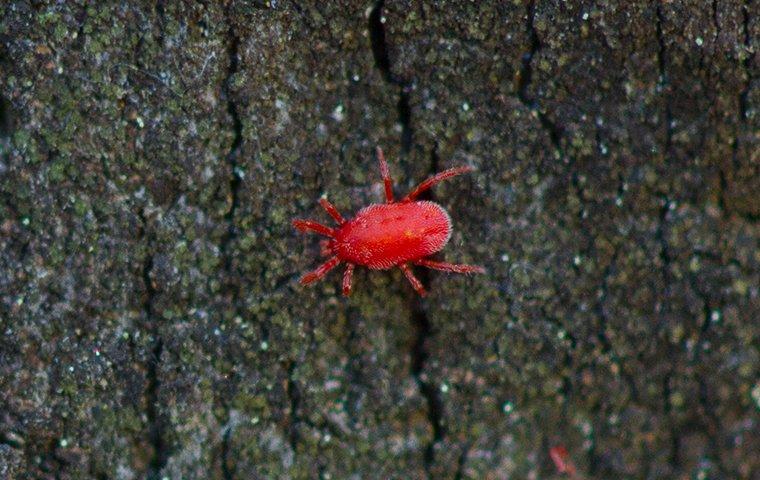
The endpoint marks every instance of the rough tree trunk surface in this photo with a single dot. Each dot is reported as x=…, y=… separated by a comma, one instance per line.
x=154, y=153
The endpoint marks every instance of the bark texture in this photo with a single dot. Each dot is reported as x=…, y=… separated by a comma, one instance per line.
x=152, y=155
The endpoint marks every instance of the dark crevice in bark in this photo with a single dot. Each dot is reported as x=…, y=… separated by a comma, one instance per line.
x=420, y=356
x=405, y=119
x=294, y=404
x=383, y=63
x=377, y=39
x=746, y=63
x=461, y=462
x=661, y=237
x=553, y=130
x=675, y=439
x=602, y=337
x=353, y=366
x=435, y=162
x=6, y=131
x=663, y=82
x=664, y=253
x=716, y=22
x=6, y=68
x=419, y=352
x=711, y=427
x=233, y=52
x=52, y=461
x=723, y=182
x=710, y=421
x=419, y=316
x=526, y=77
x=742, y=101
x=157, y=440
x=601, y=313
x=227, y=471
x=160, y=9
x=6, y=124
x=228, y=465
x=160, y=453
x=666, y=260
x=231, y=158
x=80, y=31
x=97, y=471
x=12, y=440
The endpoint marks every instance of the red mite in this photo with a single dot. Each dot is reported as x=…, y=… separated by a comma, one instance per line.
x=561, y=458
x=383, y=236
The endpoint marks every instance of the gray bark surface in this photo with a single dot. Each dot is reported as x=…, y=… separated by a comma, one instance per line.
x=153, y=154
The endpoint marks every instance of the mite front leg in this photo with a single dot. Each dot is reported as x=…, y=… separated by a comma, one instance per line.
x=434, y=180
x=416, y=284
x=332, y=211
x=386, y=176
x=450, y=267
x=311, y=226
x=321, y=271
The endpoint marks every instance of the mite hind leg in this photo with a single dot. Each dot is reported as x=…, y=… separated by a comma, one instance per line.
x=450, y=267
x=416, y=284
x=386, y=176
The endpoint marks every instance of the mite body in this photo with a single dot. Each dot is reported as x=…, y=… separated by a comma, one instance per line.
x=383, y=236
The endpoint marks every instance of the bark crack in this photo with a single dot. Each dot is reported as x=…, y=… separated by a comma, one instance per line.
x=461, y=462
x=12, y=440
x=383, y=63
x=156, y=427
x=666, y=259
x=526, y=77
x=710, y=420
x=554, y=131
x=235, y=178
x=227, y=471
x=665, y=256
x=602, y=337
x=6, y=129
x=746, y=63
x=663, y=82
x=743, y=105
x=420, y=356
x=419, y=316
x=294, y=405
x=716, y=22
x=233, y=53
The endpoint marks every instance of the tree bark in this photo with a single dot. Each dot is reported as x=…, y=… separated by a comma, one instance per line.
x=153, y=154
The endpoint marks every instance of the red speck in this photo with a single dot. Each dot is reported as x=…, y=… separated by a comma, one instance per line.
x=387, y=235
x=561, y=459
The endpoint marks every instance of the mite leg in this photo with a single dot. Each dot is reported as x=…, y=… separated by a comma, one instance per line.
x=320, y=272
x=386, y=176
x=435, y=179
x=310, y=226
x=331, y=210
x=562, y=461
x=450, y=267
x=416, y=284
x=347, y=275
